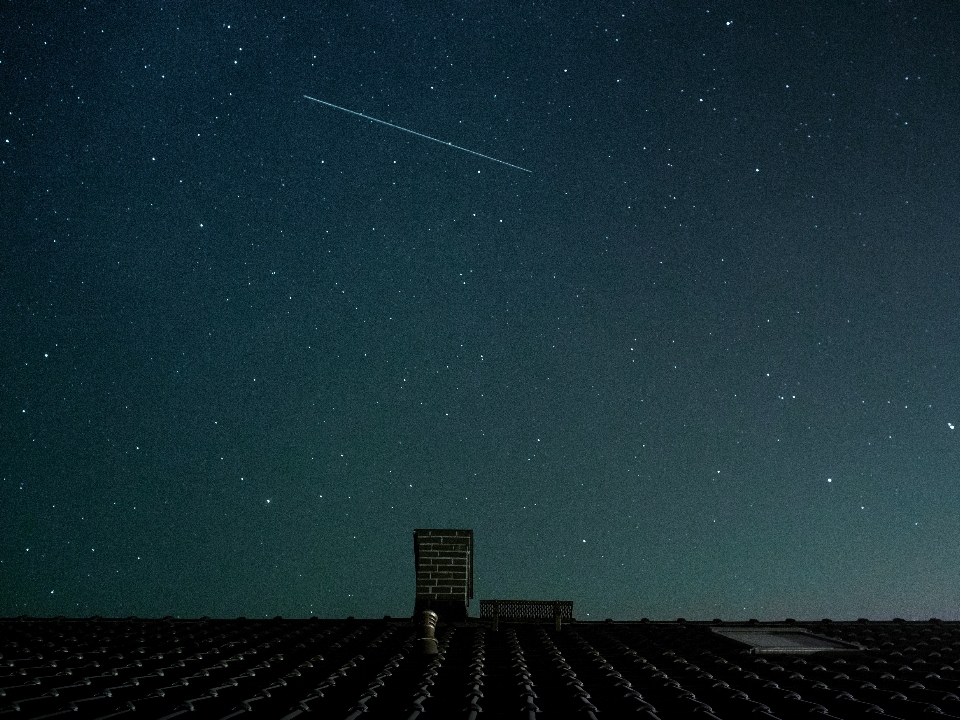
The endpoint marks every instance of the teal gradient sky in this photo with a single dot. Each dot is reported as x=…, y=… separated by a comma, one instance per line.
x=701, y=361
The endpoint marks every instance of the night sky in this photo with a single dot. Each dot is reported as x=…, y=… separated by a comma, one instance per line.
x=703, y=360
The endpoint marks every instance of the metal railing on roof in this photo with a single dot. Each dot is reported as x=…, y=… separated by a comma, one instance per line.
x=527, y=611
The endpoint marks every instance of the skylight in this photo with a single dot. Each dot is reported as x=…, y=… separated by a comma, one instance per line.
x=772, y=640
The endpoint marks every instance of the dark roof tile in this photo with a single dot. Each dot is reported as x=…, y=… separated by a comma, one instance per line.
x=140, y=668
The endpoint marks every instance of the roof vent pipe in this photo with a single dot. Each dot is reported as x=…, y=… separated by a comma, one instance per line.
x=428, y=640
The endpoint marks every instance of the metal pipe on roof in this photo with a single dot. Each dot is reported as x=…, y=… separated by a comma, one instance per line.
x=428, y=640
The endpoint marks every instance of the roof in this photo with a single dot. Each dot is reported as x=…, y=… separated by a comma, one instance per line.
x=135, y=668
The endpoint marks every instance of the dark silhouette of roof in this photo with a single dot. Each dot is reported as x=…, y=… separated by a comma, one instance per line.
x=342, y=669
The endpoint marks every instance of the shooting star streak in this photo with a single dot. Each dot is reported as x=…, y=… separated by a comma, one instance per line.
x=414, y=132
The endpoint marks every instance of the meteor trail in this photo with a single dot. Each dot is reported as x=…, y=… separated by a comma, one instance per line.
x=414, y=132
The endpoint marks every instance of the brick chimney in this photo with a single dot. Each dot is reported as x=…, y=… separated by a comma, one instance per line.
x=444, y=562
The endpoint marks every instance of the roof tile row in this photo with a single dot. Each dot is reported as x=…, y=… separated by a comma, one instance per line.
x=347, y=668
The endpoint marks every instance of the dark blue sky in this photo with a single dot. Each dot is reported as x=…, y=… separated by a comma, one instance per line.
x=702, y=361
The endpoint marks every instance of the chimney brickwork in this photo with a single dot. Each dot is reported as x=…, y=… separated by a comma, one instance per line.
x=444, y=564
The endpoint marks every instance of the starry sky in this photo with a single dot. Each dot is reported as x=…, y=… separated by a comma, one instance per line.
x=702, y=360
